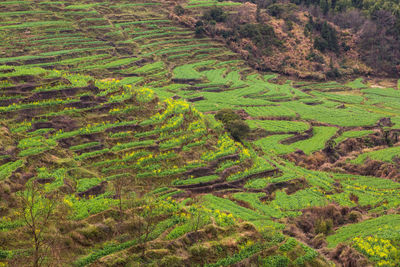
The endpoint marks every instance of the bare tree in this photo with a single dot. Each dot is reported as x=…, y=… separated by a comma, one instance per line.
x=198, y=214
x=379, y=42
x=37, y=211
x=119, y=185
x=150, y=215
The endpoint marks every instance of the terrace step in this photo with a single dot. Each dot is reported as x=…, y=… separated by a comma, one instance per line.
x=233, y=184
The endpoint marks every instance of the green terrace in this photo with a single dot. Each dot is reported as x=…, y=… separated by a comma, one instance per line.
x=151, y=177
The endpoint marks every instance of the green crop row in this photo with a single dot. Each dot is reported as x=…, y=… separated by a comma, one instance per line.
x=84, y=146
x=300, y=200
x=386, y=226
x=241, y=255
x=113, y=248
x=317, y=142
x=84, y=184
x=189, y=71
x=39, y=104
x=35, y=24
x=130, y=145
x=90, y=129
x=264, y=208
x=198, y=180
x=270, y=112
x=7, y=169
x=386, y=154
x=352, y=134
x=279, y=126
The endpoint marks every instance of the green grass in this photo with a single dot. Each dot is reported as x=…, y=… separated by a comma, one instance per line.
x=356, y=84
x=188, y=72
x=279, y=126
x=386, y=155
x=148, y=49
x=317, y=142
x=35, y=24
x=112, y=248
x=270, y=211
x=134, y=5
x=203, y=179
x=84, y=184
x=84, y=146
x=75, y=50
x=7, y=169
x=118, y=63
x=270, y=112
x=19, y=58
x=212, y=3
x=142, y=22
x=382, y=92
x=227, y=205
x=386, y=226
x=131, y=80
x=352, y=134
x=26, y=12
x=149, y=68
x=300, y=200
x=257, y=183
x=349, y=116
x=72, y=61
x=82, y=6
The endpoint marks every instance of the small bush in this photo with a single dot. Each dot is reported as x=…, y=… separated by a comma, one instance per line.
x=179, y=10
x=199, y=28
x=238, y=129
x=215, y=14
x=171, y=261
x=355, y=216
x=262, y=35
x=276, y=261
x=315, y=58
x=320, y=44
x=226, y=115
x=324, y=226
x=199, y=252
x=276, y=10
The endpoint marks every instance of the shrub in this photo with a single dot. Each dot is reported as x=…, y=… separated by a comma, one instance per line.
x=199, y=28
x=214, y=14
x=328, y=39
x=289, y=245
x=355, y=216
x=315, y=58
x=324, y=226
x=276, y=261
x=262, y=35
x=276, y=10
x=320, y=44
x=333, y=73
x=226, y=115
x=171, y=261
x=4, y=254
x=238, y=129
x=199, y=252
x=179, y=10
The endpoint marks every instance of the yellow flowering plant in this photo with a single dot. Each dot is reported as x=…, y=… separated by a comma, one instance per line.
x=382, y=251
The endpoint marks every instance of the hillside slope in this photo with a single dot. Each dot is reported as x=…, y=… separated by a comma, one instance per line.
x=300, y=38
x=134, y=176
x=95, y=157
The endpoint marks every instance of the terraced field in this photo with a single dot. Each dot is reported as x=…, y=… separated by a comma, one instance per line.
x=148, y=176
